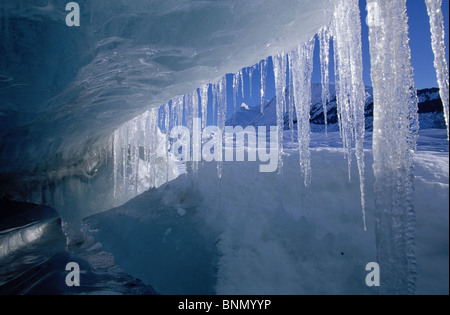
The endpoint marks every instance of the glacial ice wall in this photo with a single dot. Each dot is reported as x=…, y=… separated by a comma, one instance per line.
x=63, y=89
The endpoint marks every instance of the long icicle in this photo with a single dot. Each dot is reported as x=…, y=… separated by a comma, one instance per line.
x=153, y=145
x=135, y=151
x=204, y=100
x=116, y=151
x=434, y=8
x=394, y=143
x=324, y=38
x=214, y=103
x=173, y=114
x=250, y=79
x=344, y=91
x=280, y=69
x=241, y=78
x=179, y=104
x=189, y=110
x=235, y=90
x=167, y=130
x=221, y=89
x=195, y=145
x=351, y=93
x=302, y=67
x=263, y=83
x=291, y=105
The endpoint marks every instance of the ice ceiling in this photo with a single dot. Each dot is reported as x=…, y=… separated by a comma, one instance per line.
x=64, y=88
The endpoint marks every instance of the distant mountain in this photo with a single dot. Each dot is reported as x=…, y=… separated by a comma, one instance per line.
x=430, y=111
x=244, y=116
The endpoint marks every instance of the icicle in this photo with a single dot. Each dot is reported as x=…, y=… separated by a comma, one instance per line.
x=125, y=148
x=193, y=104
x=179, y=104
x=221, y=89
x=351, y=96
x=116, y=150
x=195, y=101
x=324, y=38
x=238, y=89
x=214, y=103
x=204, y=99
x=280, y=70
x=153, y=138
x=291, y=104
x=250, y=79
x=394, y=143
x=434, y=8
x=343, y=94
x=167, y=129
x=241, y=78
x=141, y=142
x=135, y=152
x=166, y=118
x=173, y=114
x=161, y=122
x=148, y=146
x=337, y=89
x=235, y=91
x=263, y=84
x=189, y=111
x=302, y=66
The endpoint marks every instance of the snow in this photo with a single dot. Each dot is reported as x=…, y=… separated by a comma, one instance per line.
x=430, y=111
x=244, y=116
x=313, y=244
x=432, y=169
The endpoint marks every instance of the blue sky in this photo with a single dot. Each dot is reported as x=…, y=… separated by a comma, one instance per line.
x=420, y=42
x=421, y=53
x=422, y=56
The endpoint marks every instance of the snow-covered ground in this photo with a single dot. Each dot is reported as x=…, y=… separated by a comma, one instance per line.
x=250, y=233
x=255, y=233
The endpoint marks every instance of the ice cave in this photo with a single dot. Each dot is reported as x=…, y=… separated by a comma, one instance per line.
x=224, y=147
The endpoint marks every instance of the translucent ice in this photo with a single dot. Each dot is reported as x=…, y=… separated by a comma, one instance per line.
x=351, y=97
x=434, y=8
x=302, y=65
x=394, y=144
